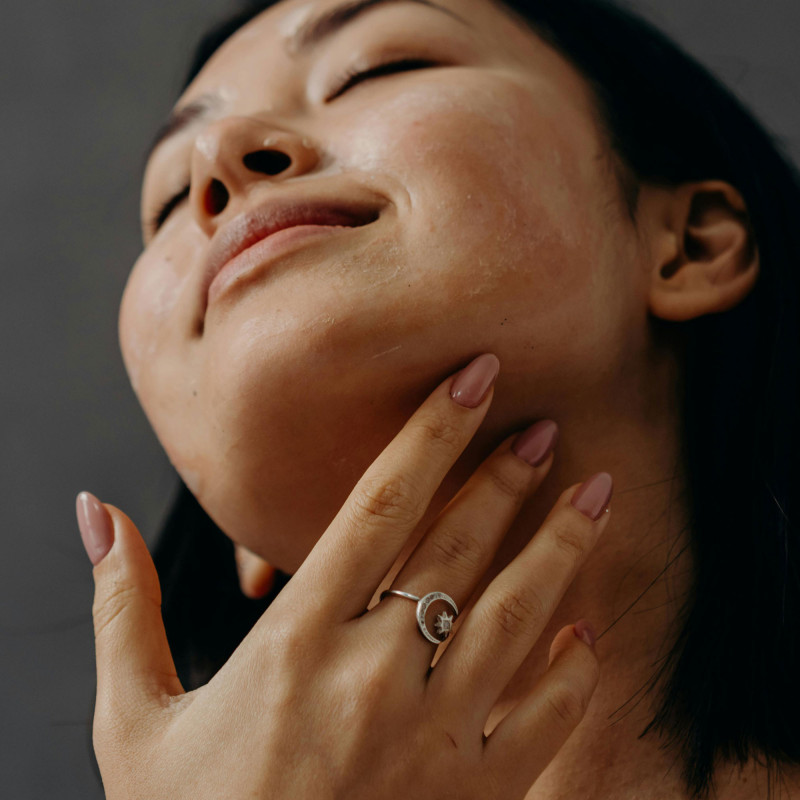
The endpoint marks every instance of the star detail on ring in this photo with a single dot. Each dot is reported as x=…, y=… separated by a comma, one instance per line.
x=444, y=624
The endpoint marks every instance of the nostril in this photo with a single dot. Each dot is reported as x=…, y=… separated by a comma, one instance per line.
x=216, y=197
x=268, y=162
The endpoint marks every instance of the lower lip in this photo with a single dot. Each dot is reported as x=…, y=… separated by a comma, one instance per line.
x=258, y=254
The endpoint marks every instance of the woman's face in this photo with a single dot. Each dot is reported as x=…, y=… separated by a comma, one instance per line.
x=499, y=229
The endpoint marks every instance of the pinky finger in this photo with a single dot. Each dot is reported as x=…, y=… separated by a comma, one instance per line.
x=528, y=738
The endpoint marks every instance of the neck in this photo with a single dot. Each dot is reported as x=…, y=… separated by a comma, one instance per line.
x=630, y=588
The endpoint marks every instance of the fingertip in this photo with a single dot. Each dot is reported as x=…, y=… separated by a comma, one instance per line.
x=537, y=443
x=561, y=642
x=585, y=632
x=256, y=575
x=95, y=525
x=473, y=384
x=593, y=496
x=581, y=630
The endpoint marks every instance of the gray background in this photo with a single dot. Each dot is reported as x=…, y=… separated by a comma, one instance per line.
x=83, y=86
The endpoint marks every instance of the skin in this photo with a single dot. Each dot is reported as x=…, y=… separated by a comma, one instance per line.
x=502, y=231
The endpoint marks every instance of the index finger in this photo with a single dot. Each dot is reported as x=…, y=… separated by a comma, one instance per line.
x=368, y=534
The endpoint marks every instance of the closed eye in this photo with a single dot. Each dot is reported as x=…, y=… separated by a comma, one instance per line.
x=347, y=81
x=160, y=217
x=351, y=78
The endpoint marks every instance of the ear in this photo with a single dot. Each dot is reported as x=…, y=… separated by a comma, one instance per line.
x=256, y=576
x=705, y=258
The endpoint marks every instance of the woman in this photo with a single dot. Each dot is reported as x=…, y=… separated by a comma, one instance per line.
x=524, y=250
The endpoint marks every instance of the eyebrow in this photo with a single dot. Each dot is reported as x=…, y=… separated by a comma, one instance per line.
x=330, y=21
x=309, y=34
x=183, y=118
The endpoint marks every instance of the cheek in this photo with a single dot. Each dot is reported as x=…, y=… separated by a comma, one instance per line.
x=508, y=228
x=501, y=171
x=502, y=184
x=153, y=340
x=148, y=309
x=456, y=142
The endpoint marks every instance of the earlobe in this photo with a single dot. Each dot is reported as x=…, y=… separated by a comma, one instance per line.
x=712, y=263
x=256, y=575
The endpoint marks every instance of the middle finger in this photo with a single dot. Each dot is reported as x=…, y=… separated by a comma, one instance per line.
x=508, y=618
x=459, y=547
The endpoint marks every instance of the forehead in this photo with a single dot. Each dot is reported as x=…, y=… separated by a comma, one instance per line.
x=275, y=38
x=288, y=20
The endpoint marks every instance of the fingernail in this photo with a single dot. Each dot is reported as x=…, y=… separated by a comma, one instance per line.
x=593, y=495
x=536, y=443
x=97, y=529
x=583, y=630
x=472, y=383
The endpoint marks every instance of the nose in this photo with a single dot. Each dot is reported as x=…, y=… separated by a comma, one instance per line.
x=233, y=154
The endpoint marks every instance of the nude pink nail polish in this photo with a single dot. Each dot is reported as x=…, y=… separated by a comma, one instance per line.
x=583, y=630
x=593, y=495
x=470, y=386
x=97, y=529
x=536, y=443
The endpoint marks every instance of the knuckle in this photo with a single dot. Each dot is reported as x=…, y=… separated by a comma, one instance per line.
x=365, y=691
x=395, y=499
x=569, y=539
x=456, y=545
x=116, y=728
x=375, y=684
x=287, y=641
x=517, y=612
x=291, y=638
x=505, y=483
x=104, y=726
x=567, y=706
x=438, y=431
x=111, y=603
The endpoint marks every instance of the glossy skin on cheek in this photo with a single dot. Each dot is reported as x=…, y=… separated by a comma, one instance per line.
x=154, y=306
x=495, y=239
x=154, y=294
x=352, y=333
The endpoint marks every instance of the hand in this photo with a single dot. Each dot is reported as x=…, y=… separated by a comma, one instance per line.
x=324, y=699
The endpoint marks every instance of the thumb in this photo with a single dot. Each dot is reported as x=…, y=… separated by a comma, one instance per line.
x=134, y=663
x=256, y=576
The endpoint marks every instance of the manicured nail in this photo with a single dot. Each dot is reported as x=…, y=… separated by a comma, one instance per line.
x=97, y=529
x=593, y=495
x=583, y=630
x=472, y=383
x=536, y=443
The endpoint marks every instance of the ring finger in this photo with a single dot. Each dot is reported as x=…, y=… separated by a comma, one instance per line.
x=457, y=550
x=510, y=615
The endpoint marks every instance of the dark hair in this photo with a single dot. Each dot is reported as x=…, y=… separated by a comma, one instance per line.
x=729, y=685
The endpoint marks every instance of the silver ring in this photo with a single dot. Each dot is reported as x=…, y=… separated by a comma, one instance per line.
x=444, y=621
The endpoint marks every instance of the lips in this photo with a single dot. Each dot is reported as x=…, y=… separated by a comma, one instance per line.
x=259, y=223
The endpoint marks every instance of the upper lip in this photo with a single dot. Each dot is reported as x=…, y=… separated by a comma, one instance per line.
x=252, y=226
